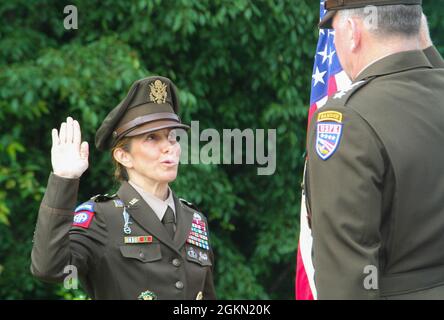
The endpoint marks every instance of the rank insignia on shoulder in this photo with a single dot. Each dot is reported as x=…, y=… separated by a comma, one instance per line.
x=83, y=215
x=102, y=197
x=147, y=295
x=187, y=203
x=133, y=201
x=344, y=92
x=328, y=133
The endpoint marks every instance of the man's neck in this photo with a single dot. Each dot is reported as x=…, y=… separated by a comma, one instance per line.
x=377, y=52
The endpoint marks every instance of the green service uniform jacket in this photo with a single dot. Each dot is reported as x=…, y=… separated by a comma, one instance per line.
x=374, y=184
x=434, y=57
x=111, y=264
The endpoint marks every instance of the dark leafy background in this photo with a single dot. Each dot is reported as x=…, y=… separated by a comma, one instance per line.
x=237, y=63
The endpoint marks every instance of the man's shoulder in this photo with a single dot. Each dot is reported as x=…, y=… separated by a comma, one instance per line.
x=372, y=97
x=369, y=96
x=339, y=103
x=342, y=98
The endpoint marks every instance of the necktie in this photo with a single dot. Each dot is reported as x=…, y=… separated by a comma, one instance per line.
x=168, y=221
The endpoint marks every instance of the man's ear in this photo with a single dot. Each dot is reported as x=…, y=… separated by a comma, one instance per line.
x=424, y=34
x=354, y=27
x=123, y=157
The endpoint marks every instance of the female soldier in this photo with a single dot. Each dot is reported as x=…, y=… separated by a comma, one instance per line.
x=142, y=242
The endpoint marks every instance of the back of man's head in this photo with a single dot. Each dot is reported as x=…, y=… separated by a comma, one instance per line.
x=366, y=34
x=388, y=21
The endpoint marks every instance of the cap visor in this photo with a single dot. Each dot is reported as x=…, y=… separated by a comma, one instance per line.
x=154, y=126
x=327, y=21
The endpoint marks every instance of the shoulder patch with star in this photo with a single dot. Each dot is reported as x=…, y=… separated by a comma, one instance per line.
x=344, y=95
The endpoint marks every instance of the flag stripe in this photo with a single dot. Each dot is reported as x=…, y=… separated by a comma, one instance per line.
x=305, y=288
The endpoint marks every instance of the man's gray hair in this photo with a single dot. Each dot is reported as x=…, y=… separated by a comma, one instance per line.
x=393, y=20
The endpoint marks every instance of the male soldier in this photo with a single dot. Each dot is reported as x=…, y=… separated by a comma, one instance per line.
x=374, y=172
x=143, y=242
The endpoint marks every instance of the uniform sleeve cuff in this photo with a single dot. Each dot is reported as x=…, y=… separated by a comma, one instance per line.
x=61, y=193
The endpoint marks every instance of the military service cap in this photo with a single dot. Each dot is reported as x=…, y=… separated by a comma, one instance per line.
x=333, y=6
x=151, y=104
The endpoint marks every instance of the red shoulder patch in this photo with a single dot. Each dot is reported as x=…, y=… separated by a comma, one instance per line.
x=83, y=219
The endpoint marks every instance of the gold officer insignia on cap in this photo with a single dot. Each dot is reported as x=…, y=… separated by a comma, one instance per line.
x=158, y=92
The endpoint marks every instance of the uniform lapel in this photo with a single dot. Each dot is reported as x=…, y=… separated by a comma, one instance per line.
x=142, y=213
x=184, y=220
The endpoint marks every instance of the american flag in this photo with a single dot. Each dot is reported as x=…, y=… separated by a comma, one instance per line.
x=328, y=78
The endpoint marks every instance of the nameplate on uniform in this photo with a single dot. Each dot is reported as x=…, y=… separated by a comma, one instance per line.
x=139, y=239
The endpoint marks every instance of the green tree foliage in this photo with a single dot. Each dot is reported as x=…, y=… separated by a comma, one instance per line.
x=237, y=63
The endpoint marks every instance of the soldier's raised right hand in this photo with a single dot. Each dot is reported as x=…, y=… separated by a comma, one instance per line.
x=69, y=157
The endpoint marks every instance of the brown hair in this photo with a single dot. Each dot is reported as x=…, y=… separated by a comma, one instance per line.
x=120, y=173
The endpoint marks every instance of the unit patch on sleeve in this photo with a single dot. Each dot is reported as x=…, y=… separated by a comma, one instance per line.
x=83, y=215
x=328, y=133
